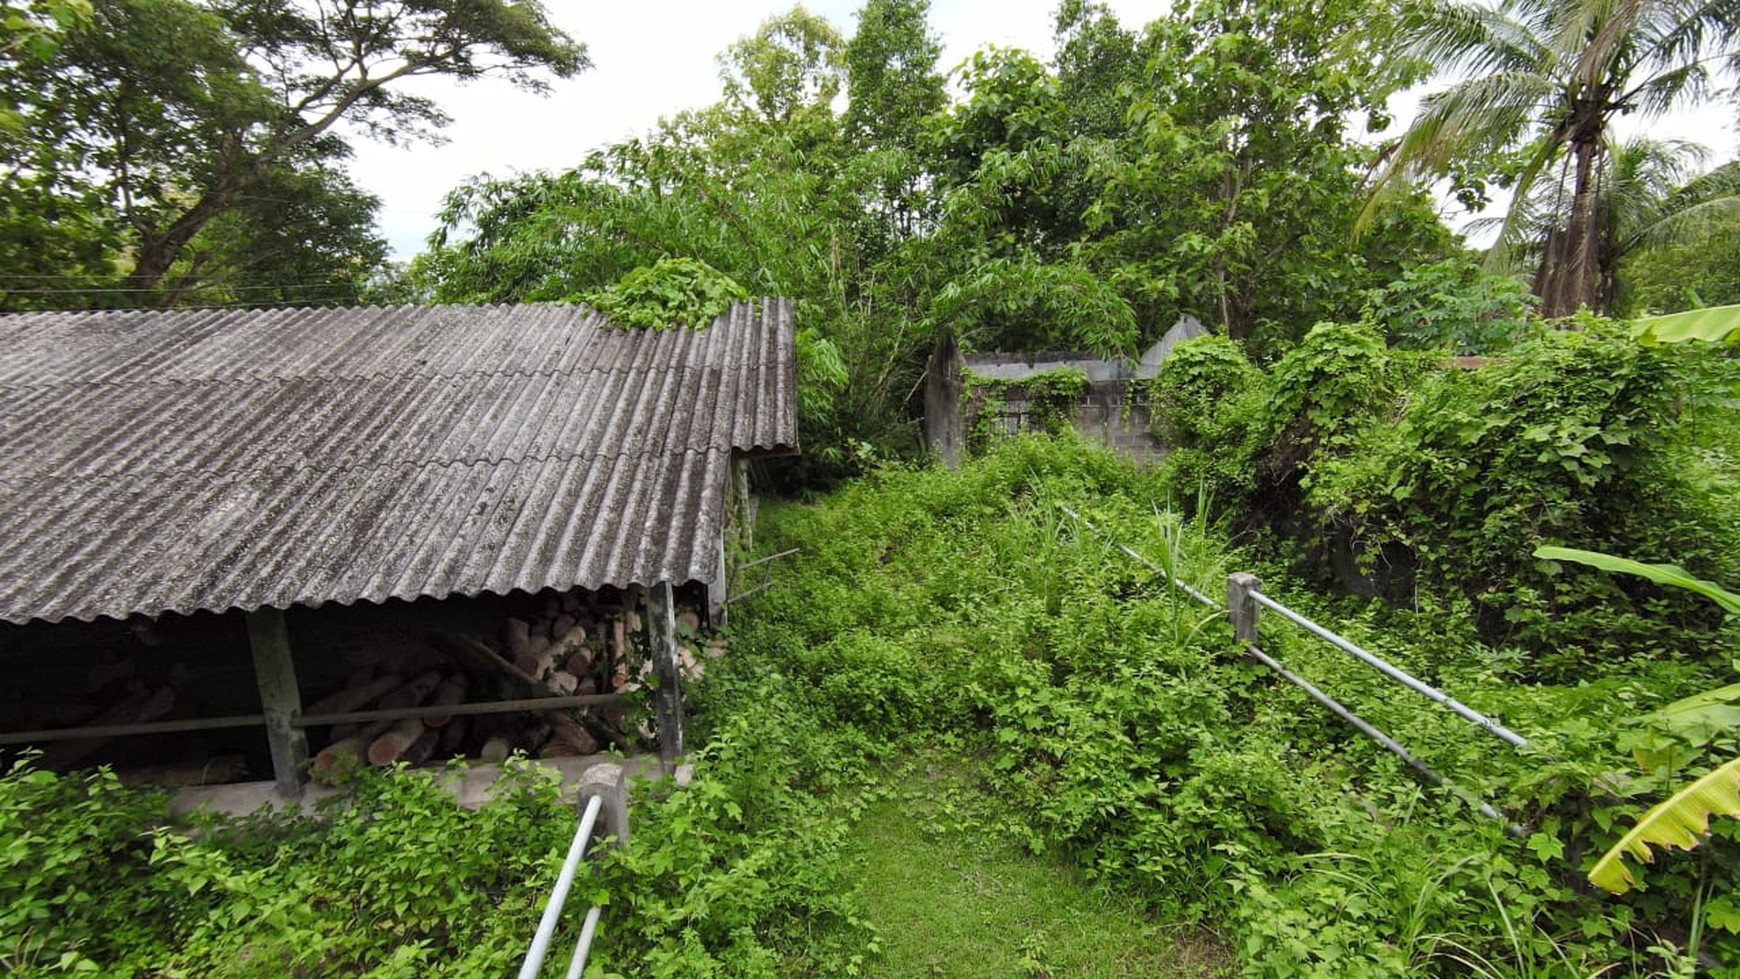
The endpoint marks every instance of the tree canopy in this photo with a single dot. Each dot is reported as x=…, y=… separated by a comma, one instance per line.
x=154, y=118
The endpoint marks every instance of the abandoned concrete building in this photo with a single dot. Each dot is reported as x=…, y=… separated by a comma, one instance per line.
x=970, y=398
x=230, y=536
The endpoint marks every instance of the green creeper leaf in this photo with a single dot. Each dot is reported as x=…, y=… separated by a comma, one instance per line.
x=1546, y=847
x=1721, y=912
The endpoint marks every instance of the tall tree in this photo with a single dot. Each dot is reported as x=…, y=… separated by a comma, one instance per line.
x=302, y=234
x=165, y=113
x=791, y=67
x=1540, y=85
x=892, y=82
x=1238, y=203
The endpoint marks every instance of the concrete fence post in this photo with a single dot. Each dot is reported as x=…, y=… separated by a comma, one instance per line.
x=1241, y=608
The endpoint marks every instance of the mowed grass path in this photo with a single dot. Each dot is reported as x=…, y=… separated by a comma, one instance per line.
x=952, y=900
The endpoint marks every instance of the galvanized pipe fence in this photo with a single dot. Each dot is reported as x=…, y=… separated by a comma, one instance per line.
x=1244, y=597
x=559, y=896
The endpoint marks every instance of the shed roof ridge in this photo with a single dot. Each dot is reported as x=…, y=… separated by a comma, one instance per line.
x=239, y=379
x=405, y=464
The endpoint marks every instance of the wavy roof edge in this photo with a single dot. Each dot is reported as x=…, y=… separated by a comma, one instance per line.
x=603, y=453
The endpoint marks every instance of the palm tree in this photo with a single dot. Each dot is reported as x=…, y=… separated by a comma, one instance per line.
x=1652, y=194
x=1541, y=82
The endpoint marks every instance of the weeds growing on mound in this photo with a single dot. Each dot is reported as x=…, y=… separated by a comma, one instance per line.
x=1122, y=727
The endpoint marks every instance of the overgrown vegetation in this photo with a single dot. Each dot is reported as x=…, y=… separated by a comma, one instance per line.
x=1118, y=724
x=1047, y=400
x=1113, y=721
x=670, y=294
x=1325, y=437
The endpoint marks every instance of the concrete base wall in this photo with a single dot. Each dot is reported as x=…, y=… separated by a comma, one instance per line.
x=1111, y=414
x=470, y=790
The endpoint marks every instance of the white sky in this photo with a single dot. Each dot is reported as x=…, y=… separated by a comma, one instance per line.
x=653, y=58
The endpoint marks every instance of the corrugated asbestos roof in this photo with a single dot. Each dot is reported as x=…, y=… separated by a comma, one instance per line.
x=178, y=461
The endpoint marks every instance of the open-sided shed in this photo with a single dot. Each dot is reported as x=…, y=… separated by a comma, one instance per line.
x=260, y=460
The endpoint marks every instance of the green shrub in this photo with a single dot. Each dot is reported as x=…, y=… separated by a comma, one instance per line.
x=1197, y=384
x=1208, y=406
x=1452, y=303
x=671, y=293
x=1567, y=440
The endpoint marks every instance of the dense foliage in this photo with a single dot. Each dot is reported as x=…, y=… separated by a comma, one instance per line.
x=1120, y=724
x=1385, y=472
x=160, y=152
x=1018, y=217
x=1114, y=718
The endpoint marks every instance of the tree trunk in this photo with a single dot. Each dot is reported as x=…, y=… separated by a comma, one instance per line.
x=1571, y=273
x=158, y=253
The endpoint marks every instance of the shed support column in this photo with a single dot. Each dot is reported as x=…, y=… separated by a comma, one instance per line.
x=280, y=700
x=661, y=624
x=716, y=610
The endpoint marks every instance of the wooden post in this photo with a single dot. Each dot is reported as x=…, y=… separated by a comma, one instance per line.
x=1241, y=608
x=661, y=626
x=280, y=700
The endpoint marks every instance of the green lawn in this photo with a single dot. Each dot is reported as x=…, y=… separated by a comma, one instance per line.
x=952, y=897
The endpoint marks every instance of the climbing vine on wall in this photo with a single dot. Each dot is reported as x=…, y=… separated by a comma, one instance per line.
x=1049, y=396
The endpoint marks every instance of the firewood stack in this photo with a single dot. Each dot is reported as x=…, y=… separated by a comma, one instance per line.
x=559, y=645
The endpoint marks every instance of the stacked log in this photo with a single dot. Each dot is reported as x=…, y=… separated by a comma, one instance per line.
x=556, y=645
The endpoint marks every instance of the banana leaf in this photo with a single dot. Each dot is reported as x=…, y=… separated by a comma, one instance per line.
x=1717, y=324
x=1681, y=821
x=1661, y=574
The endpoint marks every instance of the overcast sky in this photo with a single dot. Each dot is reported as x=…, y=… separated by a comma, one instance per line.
x=653, y=58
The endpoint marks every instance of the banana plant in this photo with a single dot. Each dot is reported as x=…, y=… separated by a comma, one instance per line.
x=1683, y=819
x=1716, y=324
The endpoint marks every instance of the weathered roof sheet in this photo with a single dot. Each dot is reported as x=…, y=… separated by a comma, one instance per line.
x=177, y=461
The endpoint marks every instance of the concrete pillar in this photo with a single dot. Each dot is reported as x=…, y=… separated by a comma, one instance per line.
x=280, y=699
x=661, y=624
x=610, y=783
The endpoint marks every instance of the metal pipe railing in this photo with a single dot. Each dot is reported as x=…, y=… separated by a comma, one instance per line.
x=559, y=896
x=1335, y=707
x=1394, y=672
x=1390, y=744
x=583, y=947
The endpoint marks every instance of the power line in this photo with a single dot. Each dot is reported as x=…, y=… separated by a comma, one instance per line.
x=225, y=288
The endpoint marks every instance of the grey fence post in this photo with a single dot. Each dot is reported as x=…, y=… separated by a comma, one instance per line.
x=609, y=783
x=1241, y=608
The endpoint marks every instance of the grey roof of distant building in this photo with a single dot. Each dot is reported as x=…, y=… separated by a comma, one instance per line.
x=207, y=460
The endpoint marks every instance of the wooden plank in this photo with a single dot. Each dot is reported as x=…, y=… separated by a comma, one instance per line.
x=462, y=710
x=280, y=699
x=661, y=623
x=129, y=730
